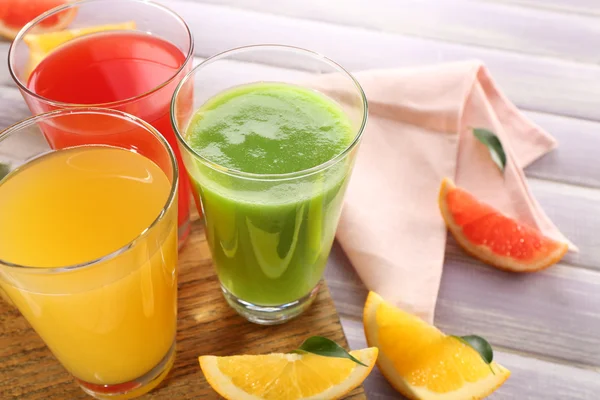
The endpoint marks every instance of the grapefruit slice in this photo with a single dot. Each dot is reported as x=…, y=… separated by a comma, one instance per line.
x=488, y=235
x=14, y=14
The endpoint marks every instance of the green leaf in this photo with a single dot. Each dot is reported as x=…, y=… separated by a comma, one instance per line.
x=325, y=347
x=481, y=346
x=4, y=170
x=491, y=141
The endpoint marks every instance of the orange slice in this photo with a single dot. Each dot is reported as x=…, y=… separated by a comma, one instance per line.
x=14, y=14
x=40, y=45
x=423, y=363
x=286, y=376
x=494, y=238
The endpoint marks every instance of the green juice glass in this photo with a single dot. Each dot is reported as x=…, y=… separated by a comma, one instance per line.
x=268, y=135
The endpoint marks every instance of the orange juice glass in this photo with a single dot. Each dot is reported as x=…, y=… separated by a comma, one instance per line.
x=88, y=245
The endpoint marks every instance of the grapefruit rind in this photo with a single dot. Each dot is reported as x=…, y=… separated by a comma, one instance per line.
x=469, y=391
x=224, y=386
x=484, y=253
x=64, y=19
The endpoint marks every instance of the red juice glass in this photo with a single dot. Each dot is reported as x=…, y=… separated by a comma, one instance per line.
x=127, y=55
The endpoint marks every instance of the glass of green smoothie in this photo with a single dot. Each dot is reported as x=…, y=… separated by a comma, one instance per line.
x=269, y=135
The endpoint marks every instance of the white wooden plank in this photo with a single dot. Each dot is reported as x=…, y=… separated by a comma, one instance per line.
x=552, y=313
x=534, y=83
x=531, y=379
x=576, y=159
x=584, y=7
x=16, y=150
x=504, y=26
x=12, y=106
x=5, y=78
x=576, y=211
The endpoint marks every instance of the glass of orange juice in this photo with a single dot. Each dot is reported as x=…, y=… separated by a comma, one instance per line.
x=88, y=245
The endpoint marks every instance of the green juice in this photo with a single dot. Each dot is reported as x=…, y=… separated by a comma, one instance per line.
x=270, y=236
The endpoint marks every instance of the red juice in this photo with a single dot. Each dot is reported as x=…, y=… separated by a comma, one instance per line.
x=123, y=67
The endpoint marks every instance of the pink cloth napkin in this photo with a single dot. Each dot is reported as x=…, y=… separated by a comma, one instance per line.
x=420, y=131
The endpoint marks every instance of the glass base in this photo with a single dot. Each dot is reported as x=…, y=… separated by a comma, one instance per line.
x=270, y=315
x=135, y=388
x=183, y=232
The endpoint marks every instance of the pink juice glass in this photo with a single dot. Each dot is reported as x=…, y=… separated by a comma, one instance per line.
x=134, y=70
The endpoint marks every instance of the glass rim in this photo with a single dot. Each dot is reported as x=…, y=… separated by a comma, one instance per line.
x=5, y=133
x=271, y=177
x=31, y=24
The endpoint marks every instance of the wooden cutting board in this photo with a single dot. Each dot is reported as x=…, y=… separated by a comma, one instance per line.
x=206, y=325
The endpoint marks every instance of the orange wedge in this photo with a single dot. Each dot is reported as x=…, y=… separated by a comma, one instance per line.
x=423, y=363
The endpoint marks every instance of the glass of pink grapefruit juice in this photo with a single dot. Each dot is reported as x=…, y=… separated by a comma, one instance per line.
x=88, y=245
x=134, y=70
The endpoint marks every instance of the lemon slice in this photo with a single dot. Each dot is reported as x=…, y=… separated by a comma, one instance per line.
x=40, y=45
x=423, y=363
x=286, y=376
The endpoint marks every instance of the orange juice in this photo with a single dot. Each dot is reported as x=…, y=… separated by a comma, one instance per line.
x=112, y=320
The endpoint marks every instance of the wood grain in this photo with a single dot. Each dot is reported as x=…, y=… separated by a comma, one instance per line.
x=206, y=325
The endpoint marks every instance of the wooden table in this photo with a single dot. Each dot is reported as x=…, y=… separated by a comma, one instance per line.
x=544, y=54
